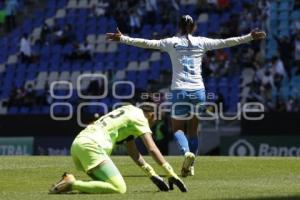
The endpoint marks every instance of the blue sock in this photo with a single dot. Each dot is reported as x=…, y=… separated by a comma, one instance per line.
x=194, y=144
x=182, y=141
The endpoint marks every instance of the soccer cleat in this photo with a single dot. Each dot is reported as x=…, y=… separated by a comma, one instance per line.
x=191, y=171
x=187, y=163
x=159, y=182
x=64, y=185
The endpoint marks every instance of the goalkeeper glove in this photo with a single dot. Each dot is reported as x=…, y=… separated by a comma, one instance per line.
x=156, y=179
x=173, y=178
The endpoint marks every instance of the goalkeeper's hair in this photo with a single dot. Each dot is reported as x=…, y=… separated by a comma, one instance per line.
x=147, y=104
x=147, y=107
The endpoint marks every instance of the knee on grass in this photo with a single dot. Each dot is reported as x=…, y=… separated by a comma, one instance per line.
x=119, y=184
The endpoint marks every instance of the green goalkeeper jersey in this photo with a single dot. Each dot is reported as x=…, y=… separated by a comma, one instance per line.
x=125, y=123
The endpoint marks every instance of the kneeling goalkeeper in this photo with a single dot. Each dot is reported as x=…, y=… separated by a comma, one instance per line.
x=91, y=149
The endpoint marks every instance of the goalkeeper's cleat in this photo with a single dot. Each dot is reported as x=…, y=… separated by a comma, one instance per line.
x=191, y=171
x=187, y=164
x=179, y=183
x=159, y=182
x=64, y=185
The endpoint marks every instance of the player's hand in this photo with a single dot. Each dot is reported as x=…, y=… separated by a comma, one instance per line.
x=159, y=182
x=258, y=35
x=173, y=179
x=114, y=36
x=178, y=182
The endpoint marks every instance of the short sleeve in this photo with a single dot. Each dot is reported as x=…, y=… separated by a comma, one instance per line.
x=139, y=124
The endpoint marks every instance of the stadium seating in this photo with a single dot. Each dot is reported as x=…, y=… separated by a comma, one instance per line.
x=129, y=63
x=282, y=16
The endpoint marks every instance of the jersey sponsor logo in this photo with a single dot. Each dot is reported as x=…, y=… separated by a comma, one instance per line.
x=180, y=47
x=16, y=146
x=260, y=146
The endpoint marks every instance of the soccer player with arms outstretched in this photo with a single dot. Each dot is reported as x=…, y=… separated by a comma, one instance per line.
x=91, y=149
x=186, y=52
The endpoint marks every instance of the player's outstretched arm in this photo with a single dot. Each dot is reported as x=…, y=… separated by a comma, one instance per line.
x=148, y=170
x=158, y=157
x=211, y=44
x=138, y=42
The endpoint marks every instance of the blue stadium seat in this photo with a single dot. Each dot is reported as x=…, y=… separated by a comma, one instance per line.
x=285, y=5
x=142, y=84
x=24, y=110
x=273, y=6
x=50, y=12
x=121, y=65
x=45, y=110
x=284, y=32
x=35, y=110
x=76, y=66
x=66, y=66
x=122, y=57
x=236, y=7
x=295, y=15
x=223, y=82
x=284, y=15
x=202, y=29
x=131, y=76
x=88, y=66
x=133, y=56
x=143, y=56
x=98, y=66
x=13, y=110
x=31, y=75
x=67, y=49
x=110, y=57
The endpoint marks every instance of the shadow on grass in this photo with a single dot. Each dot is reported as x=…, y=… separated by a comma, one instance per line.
x=134, y=176
x=292, y=197
x=137, y=176
x=82, y=193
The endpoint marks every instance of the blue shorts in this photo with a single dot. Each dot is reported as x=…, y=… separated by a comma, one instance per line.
x=185, y=103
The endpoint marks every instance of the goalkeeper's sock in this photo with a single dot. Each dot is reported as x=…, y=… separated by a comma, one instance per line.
x=114, y=185
x=182, y=141
x=194, y=144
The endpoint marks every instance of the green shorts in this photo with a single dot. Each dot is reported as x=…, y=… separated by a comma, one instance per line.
x=87, y=154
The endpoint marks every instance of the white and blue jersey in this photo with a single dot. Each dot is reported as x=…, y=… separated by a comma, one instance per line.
x=186, y=53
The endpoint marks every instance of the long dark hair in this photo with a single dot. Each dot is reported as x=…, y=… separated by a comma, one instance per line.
x=186, y=25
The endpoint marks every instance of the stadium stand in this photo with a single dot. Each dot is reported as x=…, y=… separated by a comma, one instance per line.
x=275, y=82
x=67, y=39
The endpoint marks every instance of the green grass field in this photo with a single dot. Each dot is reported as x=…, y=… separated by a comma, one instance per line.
x=24, y=178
